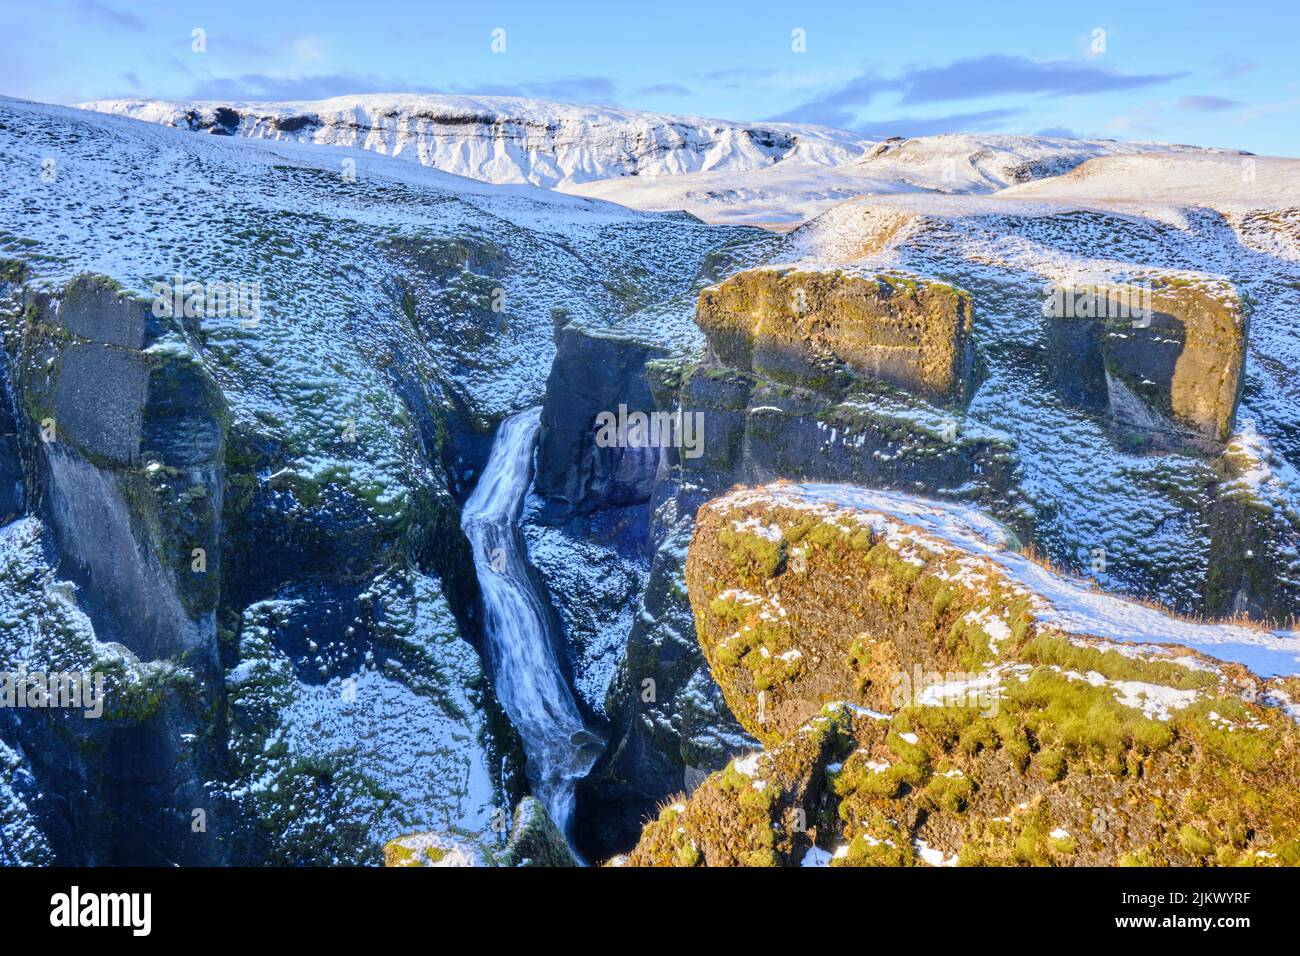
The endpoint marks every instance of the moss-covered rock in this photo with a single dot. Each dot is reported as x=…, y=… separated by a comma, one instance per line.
x=820, y=330
x=917, y=708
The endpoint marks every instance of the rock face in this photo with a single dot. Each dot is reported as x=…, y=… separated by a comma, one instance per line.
x=921, y=703
x=118, y=444
x=1255, y=534
x=1176, y=370
x=594, y=374
x=132, y=457
x=819, y=329
x=670, y=725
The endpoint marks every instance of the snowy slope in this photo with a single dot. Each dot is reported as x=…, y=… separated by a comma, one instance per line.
x=377, y=316
x=721, y=171
x=792, y=191
x=1215, y=179
x=510, y=139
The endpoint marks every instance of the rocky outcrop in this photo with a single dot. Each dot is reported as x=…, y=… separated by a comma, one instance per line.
x=822, y=330
x=922, y=701
x=1165, y=358
x=670, y=725
x=127, y=430
x=1254, y=560
x=595, y=374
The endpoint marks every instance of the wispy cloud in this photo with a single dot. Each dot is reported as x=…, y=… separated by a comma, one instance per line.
x=1208, y=104
x=970, y=78
x=929, y=126
x=1001, y=74
x=93, y=9
x=664, y=89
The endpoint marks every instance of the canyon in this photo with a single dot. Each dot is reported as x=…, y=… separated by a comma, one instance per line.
x=439, y=619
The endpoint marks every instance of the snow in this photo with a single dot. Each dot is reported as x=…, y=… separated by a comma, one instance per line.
x=933, y=856
x=504, y=139
x=774, y=174
x=1154, y=700
x=757, y=528
x=816, y=857
x=596, y=592
x=747, y=765
x=411, y=727
x=794, y=190
x=1217, y=178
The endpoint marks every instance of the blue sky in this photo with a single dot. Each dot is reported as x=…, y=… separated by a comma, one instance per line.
x=1209, y=73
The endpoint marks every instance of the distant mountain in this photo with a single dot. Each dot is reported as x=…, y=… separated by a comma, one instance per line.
x=508, y=139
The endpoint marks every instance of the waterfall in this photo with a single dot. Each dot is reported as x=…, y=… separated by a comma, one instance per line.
x=521, y=649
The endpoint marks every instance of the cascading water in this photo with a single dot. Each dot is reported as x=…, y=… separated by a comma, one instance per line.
x=527, y=676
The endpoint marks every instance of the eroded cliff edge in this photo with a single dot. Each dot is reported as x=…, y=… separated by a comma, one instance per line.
x=926, y=694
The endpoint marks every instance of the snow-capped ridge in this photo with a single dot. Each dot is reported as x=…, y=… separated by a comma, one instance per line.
x=509, y=139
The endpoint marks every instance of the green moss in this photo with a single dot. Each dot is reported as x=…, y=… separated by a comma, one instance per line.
x=753, y=554
x=688, y=855
x=1223, y=733
x=12, y=270
x=1049, y=648
x=1052, y=765
x=1194, y=841
x=943, y=597
x=1081, y=718
x=949, y=791
x=865, y=851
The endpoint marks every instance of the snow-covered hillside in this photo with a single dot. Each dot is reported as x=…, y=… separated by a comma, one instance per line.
x=508, y=139
x=400, y=311
x=418, y=282
x=770, y=174
x=793, y=191
x=1191, y=216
